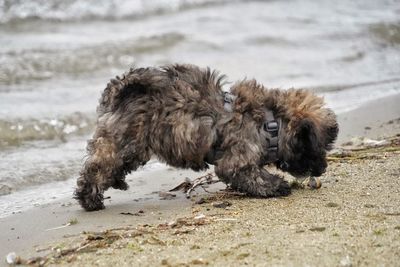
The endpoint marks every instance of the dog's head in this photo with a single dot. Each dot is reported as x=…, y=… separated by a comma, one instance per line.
x=307, y=134
x=308, y=129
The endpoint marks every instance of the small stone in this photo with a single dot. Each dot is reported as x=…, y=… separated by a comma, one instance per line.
x=242, y=256
x=34, y=260
x=202, y=200
x=314, y=183
x=332, y=205
x=318, y=229
x=166, y=195
x=199, y=262
x=221, y=204
x=172, y=224
x=346, y=262
x=200, y=217
x=12, y=258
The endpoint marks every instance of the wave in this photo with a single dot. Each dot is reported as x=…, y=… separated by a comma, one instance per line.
x=45, y=64
x=386, y=33
x=18, y=131
x=73, y=10
x=45, y=162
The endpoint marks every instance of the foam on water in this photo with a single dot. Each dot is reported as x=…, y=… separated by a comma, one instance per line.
x=45, y=64
x=17, y=132
x=70, y=10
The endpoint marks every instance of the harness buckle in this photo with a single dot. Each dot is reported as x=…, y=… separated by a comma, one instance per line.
x=271, y=126
x=227, y=98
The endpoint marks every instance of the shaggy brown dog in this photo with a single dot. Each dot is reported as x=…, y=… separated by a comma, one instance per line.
x=177, y=113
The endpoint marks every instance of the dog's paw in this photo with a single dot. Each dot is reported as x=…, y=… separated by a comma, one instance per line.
x=275, y=188
x=121, y=185
x=90, y=202
x=262, y=187
x=283, y=189
x=92, y=205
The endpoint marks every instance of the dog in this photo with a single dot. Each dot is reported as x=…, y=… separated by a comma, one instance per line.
x=180, y=114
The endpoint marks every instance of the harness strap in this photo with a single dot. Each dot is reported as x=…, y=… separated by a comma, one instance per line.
x=228, y=101
x=271, y=126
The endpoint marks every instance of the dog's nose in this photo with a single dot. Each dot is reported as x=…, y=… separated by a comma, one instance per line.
x=284, y=165
x=318, y=172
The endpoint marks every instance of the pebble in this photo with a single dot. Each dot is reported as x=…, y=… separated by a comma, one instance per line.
x=318, y=229
x=200, y=217
x=166, y=195
x=201, y=201
x=332, y=205
x=346, y=262
x=314, y=183
x=221, y=204
x=12, y=258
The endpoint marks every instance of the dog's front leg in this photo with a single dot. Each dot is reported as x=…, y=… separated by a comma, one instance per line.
x=255, y=181
x=98, y=173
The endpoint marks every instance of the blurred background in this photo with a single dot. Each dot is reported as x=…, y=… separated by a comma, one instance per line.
x=56, y=57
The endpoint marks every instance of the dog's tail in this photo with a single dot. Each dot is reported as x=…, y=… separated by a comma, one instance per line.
x=133, y=83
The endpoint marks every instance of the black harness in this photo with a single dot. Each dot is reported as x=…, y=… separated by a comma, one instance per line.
x=271, y=127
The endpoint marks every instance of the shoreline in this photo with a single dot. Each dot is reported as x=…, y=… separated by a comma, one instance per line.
x=25, y=238
x=375, y=119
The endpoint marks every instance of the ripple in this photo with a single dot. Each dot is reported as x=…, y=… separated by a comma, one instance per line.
x=46, y=64
x=388, y=33
x=18, y=131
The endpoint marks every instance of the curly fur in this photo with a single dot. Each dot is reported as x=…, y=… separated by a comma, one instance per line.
x=176, y=113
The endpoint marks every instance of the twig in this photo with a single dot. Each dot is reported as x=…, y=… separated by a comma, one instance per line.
x=59, y=227
x=82, y=247
x=188, y=186
x=226, y=219
x=202, y=180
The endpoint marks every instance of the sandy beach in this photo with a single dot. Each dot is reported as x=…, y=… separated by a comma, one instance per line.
x=352, y=220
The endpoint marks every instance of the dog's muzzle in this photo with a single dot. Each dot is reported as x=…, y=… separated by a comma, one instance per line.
x=283, y=165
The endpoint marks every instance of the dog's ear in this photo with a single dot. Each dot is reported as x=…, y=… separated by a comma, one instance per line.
x=331, y=133
x=331, y=130
x=308, y=136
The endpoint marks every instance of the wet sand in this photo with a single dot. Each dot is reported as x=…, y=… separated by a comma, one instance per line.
x=354, y=219
x=376, y=119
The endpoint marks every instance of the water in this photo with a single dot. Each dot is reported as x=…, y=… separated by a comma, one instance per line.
x=57, y=56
